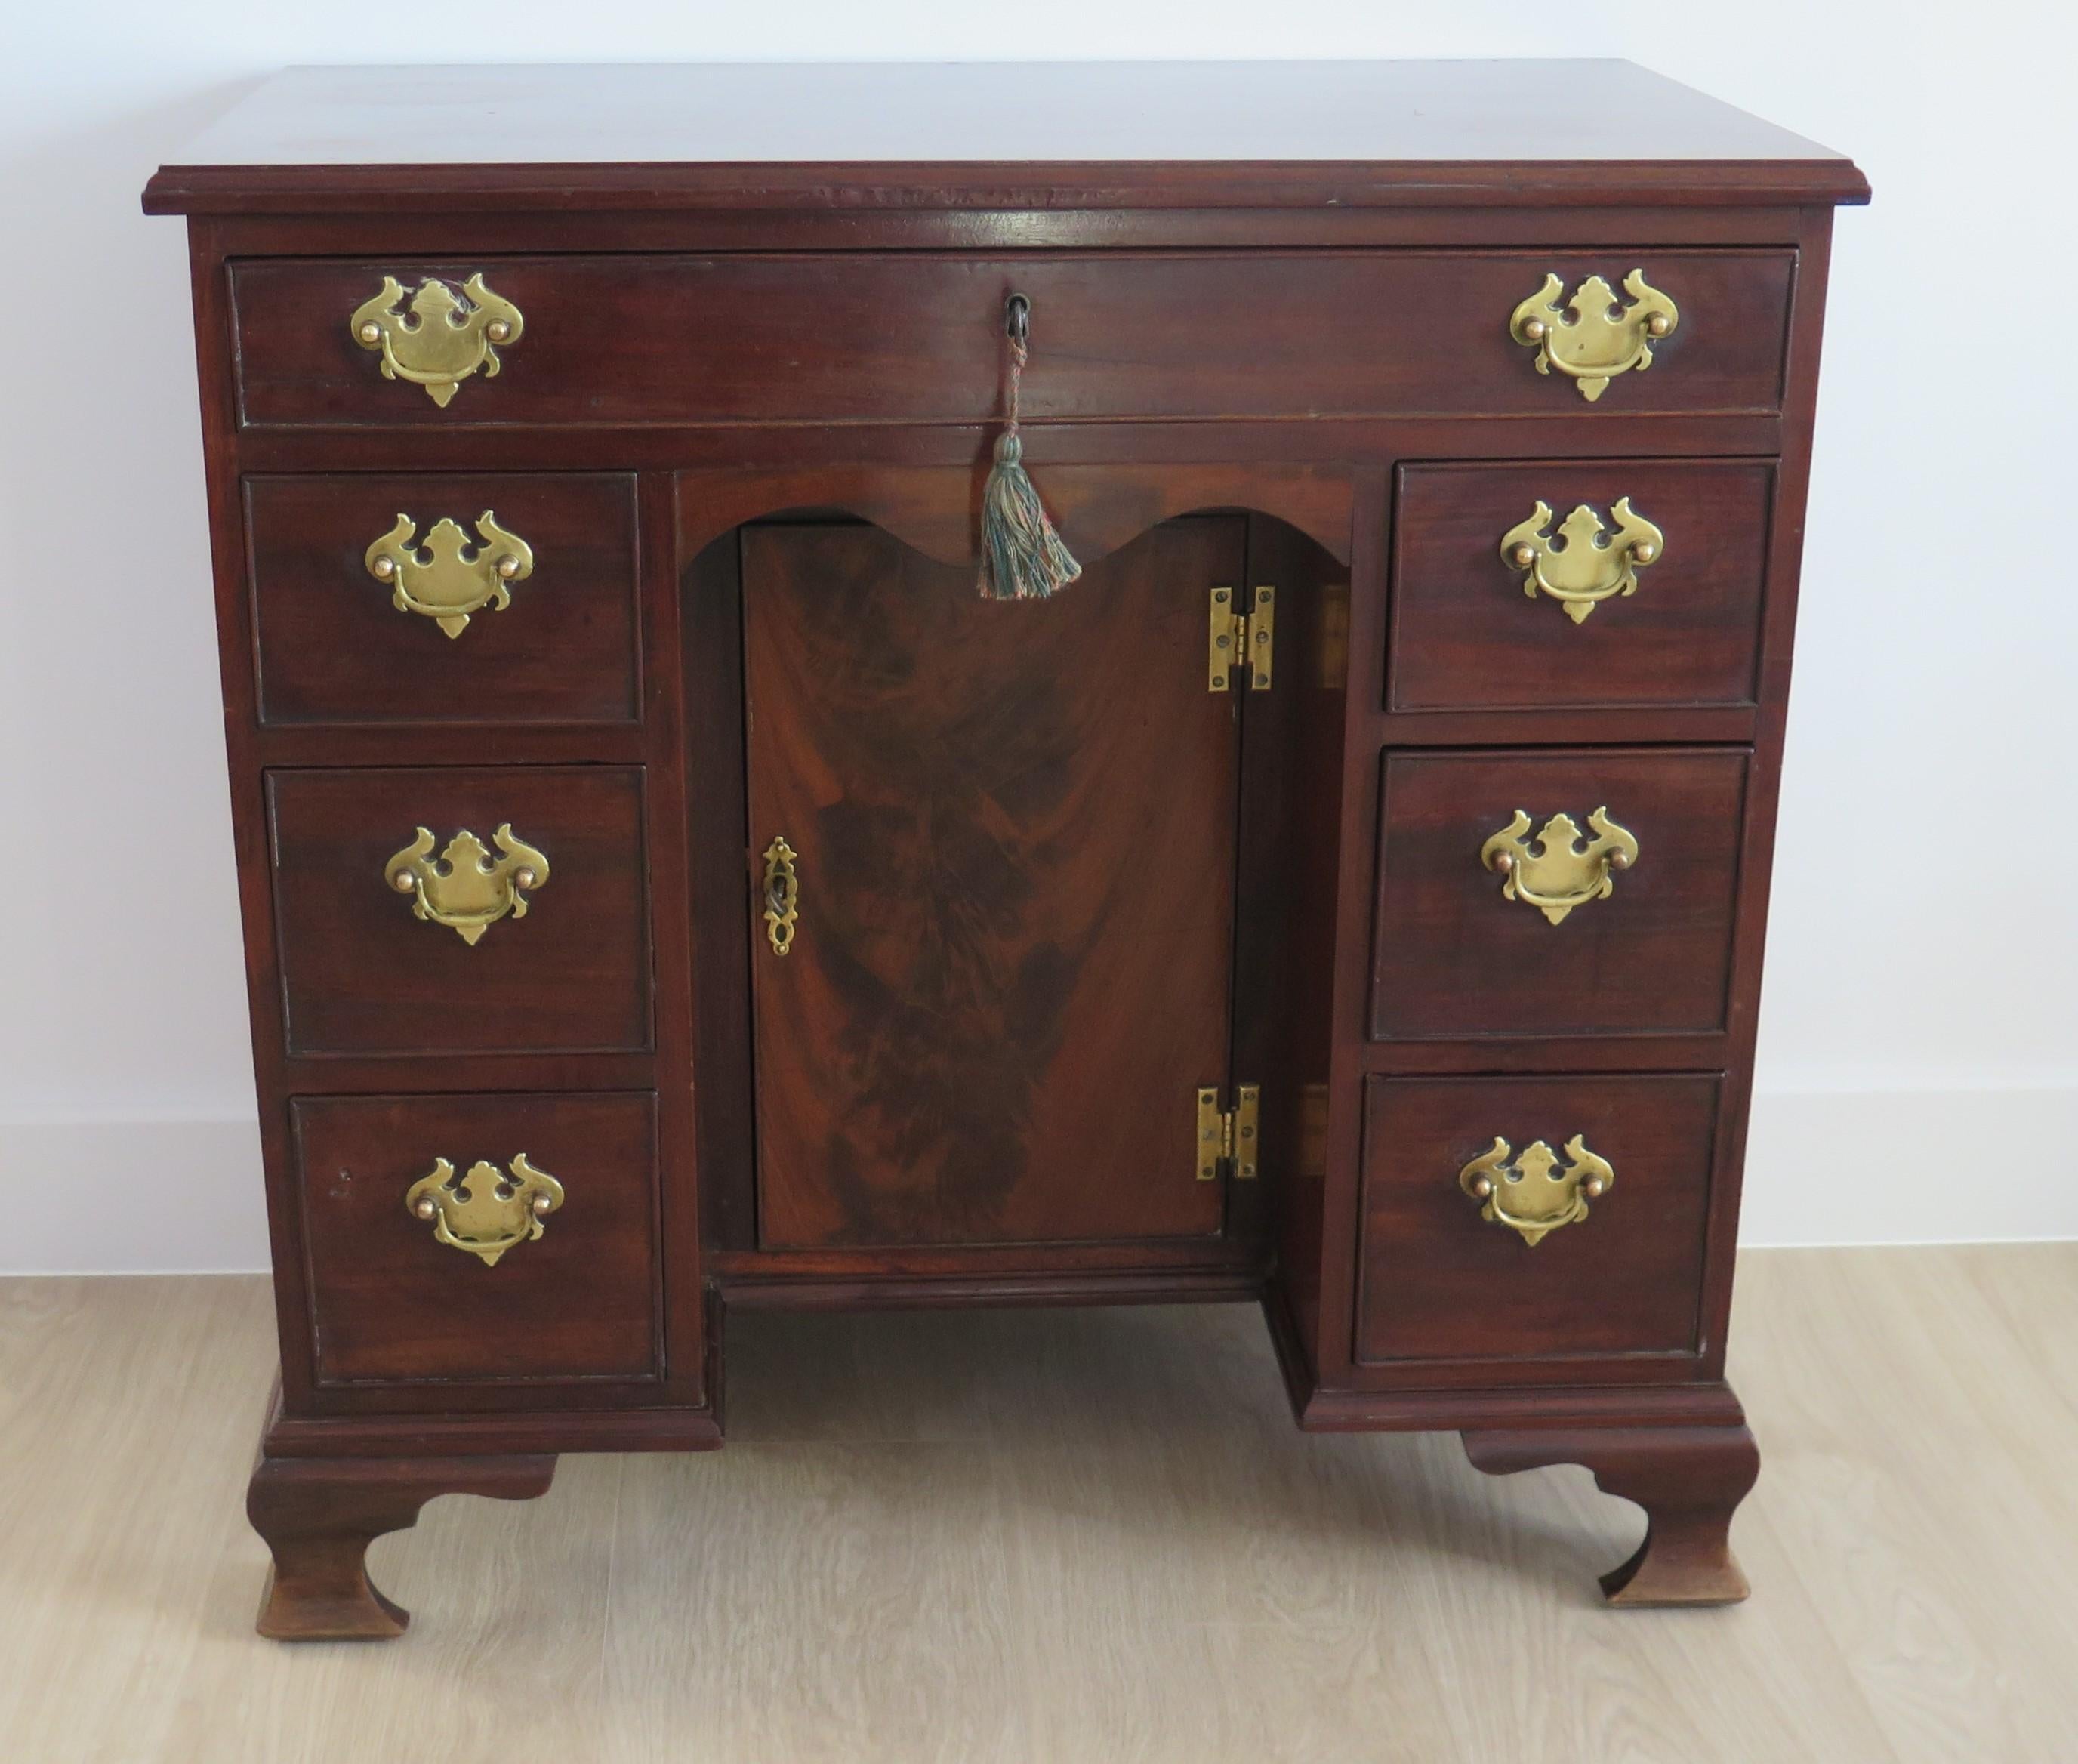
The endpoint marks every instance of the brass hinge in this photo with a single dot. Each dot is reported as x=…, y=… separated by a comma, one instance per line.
x=1240, y=639
x=1229, y=1138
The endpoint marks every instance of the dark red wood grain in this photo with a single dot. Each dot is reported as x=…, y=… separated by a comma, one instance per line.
x=1016, y=830
x=1029, y=137
x=360, y=975
x=390, y=1303
x=1455, y=958
x=334, y=648
x=1465, y=637
x=708, y=346
x=936, y=509
x=1289, y=839
x=775, y=340
x=1438, y=1282
x=318, y=1518
x=1689, y=1480
x=1011, y=189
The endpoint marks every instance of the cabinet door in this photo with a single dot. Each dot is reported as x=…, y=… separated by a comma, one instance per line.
x=1014, y=826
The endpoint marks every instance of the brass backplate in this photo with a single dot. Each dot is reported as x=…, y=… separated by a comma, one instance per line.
x=488, y=1211
x=465, y=888
x=439, y=338
x=1560, y=868
x=1585, y=560
x=1534, y=1194
x=442, y=577
x=1592, y=337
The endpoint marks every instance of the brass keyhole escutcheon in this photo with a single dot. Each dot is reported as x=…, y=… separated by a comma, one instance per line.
x=783, y=895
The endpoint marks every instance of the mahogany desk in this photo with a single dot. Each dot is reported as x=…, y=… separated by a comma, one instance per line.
x=668, y=887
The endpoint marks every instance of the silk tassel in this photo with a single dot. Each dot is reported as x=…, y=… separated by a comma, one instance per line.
x=1022, y=557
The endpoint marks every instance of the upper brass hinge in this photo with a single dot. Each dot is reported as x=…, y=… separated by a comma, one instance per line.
x=1229, y=1139
x=1242, y=638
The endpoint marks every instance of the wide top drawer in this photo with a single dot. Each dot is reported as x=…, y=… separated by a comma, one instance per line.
x=918, y=338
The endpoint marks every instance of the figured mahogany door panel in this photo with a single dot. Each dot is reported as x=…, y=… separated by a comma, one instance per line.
x=1467, y=636
x=918, y=337
x=336, y=648
x=391, y=1300
x=1014, y=825
x=1454, y=956
x=363, y=974
x=1439, y=1281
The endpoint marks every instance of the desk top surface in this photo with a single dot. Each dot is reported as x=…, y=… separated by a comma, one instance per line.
x=962, y=134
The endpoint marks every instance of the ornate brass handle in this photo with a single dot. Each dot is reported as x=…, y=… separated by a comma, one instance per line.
x=441, y=578
x=1559, y=869
x=1583, y=563
x=443, y=338
x=1534, y=1196
x=465, y=888
x=783, y=895
x=488, y=1211
x=1593, y=337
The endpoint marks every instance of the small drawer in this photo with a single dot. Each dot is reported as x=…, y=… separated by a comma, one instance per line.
x=1641, y=586
x=441, y=598
x=420, y=1217
x=1619, y=1273
x=394, y=943
x=1486, y=926
x=918, y=338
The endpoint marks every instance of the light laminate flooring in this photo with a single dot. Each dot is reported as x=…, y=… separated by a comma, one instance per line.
x=1070, y=1537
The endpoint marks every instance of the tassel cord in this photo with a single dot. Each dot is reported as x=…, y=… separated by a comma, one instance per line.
x=1022, y=557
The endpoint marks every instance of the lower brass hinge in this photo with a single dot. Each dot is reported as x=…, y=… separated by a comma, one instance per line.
x=1242, y=638
x=1229, y=1139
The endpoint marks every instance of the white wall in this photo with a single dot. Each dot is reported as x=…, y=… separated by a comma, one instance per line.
x=1919, y=1060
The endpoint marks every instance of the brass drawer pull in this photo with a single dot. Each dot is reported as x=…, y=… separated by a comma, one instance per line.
x=465, y=888
x=783, y=895
x=488, y=1211
x=1583, y=563
x=441, y=578
x=1560, y=869
x=1533, y=1196
x=1593, y=337
x=443, y=338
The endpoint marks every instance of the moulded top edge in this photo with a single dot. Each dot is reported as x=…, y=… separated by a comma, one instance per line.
x=1043, y=135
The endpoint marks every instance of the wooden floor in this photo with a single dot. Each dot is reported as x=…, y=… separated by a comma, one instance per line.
x=1072, y=1537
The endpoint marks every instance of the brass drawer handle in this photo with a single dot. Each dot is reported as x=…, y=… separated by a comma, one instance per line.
x=443, y=338
x=1583, y=563
x=441, y=578
x=1533, y=1196
x=783, y=895
x=465, y=888
x=1560, y=869
x=488, y=1211
x=1593, y=337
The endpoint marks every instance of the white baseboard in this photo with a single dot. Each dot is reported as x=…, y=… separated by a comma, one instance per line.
x=1833, y=1167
